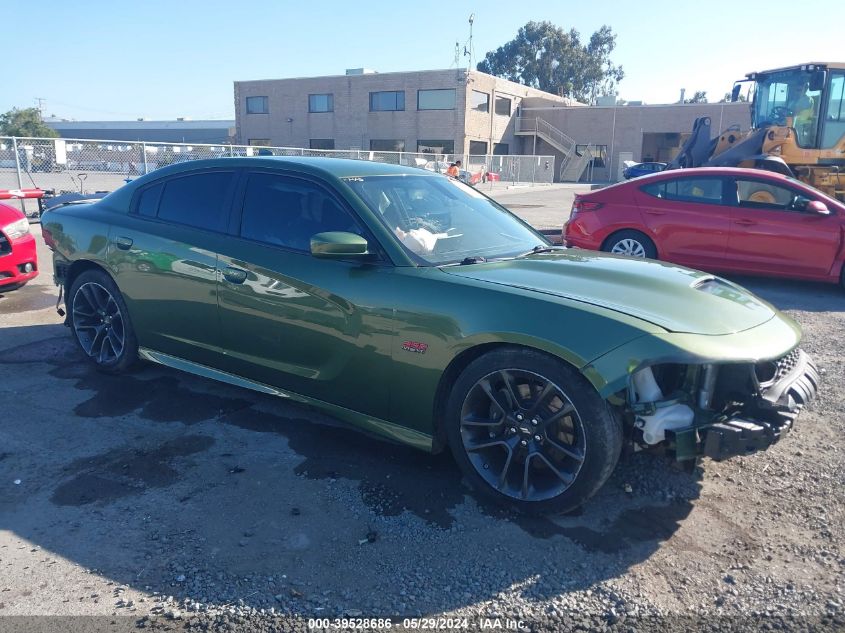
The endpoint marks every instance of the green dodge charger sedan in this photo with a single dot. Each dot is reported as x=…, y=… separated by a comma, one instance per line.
x=416, y=308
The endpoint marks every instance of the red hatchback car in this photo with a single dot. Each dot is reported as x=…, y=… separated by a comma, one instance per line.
x=720, y=219
x=18, y=261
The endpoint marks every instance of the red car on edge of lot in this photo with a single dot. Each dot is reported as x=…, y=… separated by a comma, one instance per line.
x=720, y=219
x=18, y=260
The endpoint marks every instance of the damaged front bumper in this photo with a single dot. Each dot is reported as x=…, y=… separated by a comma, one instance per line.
x=722, y=411
x=771, y=412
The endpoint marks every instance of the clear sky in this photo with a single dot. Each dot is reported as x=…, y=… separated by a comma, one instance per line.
x=97, y=59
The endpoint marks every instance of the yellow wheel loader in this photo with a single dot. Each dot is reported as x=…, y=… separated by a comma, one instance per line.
x=797, y=128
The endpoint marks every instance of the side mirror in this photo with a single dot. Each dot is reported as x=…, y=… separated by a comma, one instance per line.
x=735, y=92
x=816, y=206
x=338, y=245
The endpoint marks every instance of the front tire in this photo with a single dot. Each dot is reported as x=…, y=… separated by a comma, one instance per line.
x=100, y=322
x=631, y=243
x=530, y=432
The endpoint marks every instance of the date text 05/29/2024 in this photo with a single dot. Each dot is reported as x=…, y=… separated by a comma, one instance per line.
x=417, y=624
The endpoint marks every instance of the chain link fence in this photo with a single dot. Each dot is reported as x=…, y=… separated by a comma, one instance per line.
x=89, y=166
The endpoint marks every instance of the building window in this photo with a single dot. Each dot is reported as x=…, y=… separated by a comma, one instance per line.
x=387, y=101
x=321, y=143
x=257, y=105
x=321, y=103
x=436, y=99
x=387, y=145
x=501, y=149
x=480, y=101
x=503, y=106
x=478, y=148
x=436, y=147
x=261, y=142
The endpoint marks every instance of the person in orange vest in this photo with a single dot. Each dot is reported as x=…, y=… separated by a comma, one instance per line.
x=454, y=170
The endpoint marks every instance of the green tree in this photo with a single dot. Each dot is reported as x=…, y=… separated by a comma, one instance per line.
x=26, y=122
x=700, y=96
x=546, y=57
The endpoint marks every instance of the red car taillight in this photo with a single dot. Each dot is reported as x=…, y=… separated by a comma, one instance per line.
x=579, y=205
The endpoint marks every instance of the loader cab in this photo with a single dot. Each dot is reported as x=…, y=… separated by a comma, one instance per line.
x=807, y=97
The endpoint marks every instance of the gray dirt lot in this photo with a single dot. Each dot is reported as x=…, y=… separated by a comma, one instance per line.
x=171, y=501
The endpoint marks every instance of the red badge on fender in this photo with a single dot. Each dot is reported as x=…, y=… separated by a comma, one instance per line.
x=415, y=346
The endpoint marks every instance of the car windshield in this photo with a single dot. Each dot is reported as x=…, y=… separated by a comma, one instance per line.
x=443, y=221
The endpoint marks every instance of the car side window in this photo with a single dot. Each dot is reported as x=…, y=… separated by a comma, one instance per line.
x=148, y=200
x=756, y=194
x=197, y=200
x=288, y=212
x=702, y=190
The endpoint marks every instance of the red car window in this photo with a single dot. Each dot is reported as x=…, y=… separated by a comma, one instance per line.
x=703, y=190
x=756, y=194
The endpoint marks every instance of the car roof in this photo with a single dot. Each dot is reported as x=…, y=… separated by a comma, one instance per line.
x=315, y=165
x=716, y=171
x=691, y=172
x=337, y=167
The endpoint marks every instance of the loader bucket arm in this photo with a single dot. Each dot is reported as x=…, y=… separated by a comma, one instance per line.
x=697, y=149
x=748, y=148
x=751, y=149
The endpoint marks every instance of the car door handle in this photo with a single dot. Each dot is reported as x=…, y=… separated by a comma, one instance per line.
x=655, y=212
x=745, y=222
x=123, y=243
x=234, y=275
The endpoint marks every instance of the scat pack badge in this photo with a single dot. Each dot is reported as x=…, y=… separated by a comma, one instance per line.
x=415, y=346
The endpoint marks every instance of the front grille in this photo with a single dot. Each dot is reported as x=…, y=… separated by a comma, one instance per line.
x=771, y=371
x=5, y=245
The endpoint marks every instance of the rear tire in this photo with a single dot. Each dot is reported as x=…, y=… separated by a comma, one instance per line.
x=100, y=322
x=530, y=432
x=631, y=243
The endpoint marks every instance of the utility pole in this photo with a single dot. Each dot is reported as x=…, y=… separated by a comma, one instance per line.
x=40, y=101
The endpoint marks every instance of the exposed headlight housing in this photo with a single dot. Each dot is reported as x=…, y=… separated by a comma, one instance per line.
x=17, y=229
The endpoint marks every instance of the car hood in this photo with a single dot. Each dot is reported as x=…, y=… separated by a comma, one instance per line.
x=675, y=298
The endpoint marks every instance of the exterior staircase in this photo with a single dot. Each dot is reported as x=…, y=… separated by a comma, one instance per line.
x=572, y=166
x=572, y=169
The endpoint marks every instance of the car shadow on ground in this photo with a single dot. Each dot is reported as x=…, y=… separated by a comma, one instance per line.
x=30, y=297
x=793, y=294
x=167, y=482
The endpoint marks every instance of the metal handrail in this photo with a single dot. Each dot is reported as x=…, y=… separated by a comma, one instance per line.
x=572, y=172
x=543, y=128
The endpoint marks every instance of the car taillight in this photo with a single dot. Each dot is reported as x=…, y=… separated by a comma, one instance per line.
x=48, y=238
x=579, y=206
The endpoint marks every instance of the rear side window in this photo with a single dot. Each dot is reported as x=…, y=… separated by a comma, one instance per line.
x=198, y=200
x=148, y=200
x=704, y=190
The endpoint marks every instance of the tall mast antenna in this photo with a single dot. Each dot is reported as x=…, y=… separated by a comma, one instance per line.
x=468, y=49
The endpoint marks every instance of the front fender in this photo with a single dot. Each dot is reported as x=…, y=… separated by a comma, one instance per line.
x=611, y=372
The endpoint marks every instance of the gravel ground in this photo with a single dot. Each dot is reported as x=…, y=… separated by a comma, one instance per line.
x=164, y=501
